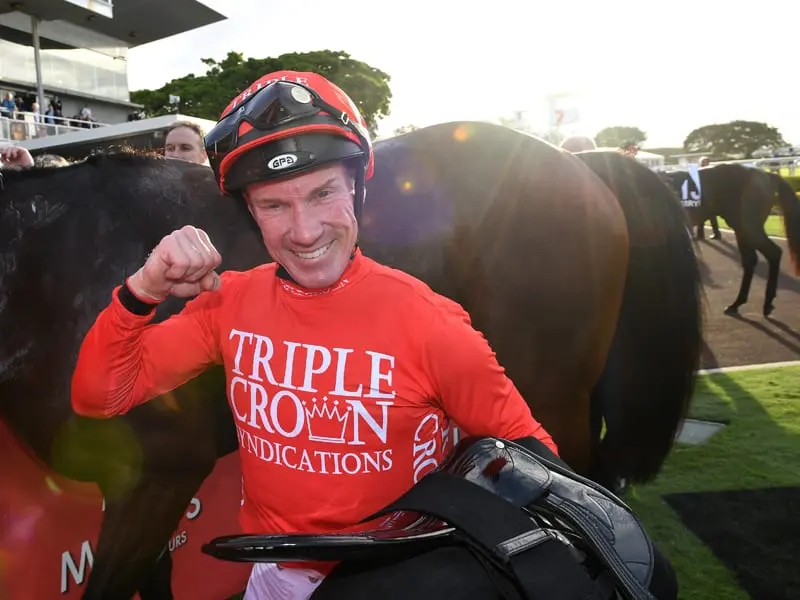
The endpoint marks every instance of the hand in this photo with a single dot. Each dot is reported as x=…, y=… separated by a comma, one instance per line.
x=16, y=157
x=181, y=265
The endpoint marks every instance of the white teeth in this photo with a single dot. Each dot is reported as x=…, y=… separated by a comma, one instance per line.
x=316, y=254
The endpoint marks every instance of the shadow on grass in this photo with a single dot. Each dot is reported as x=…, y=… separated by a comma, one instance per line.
x=733, y=544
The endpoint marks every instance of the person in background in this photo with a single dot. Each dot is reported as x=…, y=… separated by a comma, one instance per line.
x=185, y=141
x=8, y=106
x=49, y=115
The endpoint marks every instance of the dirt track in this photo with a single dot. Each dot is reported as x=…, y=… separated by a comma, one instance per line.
x=748, y=338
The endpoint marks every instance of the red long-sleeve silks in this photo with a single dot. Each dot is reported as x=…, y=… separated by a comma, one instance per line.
x=342, y=400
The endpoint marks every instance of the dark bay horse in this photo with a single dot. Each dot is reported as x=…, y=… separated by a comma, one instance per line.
x=744, y=197
x=698, y=215
x=577, y=270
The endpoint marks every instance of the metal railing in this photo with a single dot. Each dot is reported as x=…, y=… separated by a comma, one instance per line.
x=785, y=166
x=23, y=126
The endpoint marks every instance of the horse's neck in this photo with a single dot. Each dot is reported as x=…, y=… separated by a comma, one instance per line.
x=34, y=211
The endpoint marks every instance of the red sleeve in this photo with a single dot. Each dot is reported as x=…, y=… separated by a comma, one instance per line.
x=124, y=361
x=474, y=389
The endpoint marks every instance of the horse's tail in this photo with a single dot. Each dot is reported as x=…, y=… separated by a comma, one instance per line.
x=790, y=206
x=648, y=381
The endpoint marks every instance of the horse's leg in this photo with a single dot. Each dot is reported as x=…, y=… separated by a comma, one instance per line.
x=158, y=585
x=749, y=261
x=715, y=226
x=773, y=253
x=178, y=450
x=136, y=529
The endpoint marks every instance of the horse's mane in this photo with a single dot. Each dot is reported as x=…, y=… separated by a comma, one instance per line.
x=123, y=172
x=123, y=155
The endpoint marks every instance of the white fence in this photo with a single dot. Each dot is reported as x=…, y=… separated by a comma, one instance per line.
x=26, y=126
x=786, y=166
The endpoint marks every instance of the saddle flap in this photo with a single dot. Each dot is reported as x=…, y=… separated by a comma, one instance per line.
x=606, y=524
x=422, y=535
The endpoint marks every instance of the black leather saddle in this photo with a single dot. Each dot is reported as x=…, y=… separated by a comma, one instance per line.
x=520, y=514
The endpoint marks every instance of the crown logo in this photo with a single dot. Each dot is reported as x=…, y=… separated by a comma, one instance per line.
x=325, y=423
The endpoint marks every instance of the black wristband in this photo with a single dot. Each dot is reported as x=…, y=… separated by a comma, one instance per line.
x=132, y=303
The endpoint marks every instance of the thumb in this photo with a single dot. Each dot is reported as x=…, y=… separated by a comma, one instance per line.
x=211, y=282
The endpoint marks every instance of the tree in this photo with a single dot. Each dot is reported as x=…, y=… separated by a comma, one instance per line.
x=206, y=96
x=620, y=136
x=734, y=139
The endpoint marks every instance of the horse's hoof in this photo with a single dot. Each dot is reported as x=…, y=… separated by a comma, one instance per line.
x=768, y=310
x=733, y=309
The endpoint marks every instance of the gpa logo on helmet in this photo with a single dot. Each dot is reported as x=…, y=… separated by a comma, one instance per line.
x=282, y=161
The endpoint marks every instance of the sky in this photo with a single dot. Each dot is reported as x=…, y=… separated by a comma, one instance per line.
x=666, y=68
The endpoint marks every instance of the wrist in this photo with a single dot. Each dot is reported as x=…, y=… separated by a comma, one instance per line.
x=139, y=290
x=133, y=304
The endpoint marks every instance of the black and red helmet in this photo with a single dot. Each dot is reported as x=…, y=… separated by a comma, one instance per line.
x=285, y=123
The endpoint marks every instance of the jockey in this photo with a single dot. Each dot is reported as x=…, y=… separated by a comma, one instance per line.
x=345, y=376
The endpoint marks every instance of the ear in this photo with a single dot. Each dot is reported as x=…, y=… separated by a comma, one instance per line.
x=247, y=203
x=351, y=172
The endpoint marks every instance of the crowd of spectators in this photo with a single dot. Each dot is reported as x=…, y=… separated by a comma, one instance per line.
x=26, y=119
x=183, y=141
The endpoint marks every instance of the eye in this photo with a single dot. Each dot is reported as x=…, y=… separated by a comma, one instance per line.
x=266, y=205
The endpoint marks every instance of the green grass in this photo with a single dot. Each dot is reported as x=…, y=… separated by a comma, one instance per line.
x=759, y=448
x=773, y=226
x=786, y=173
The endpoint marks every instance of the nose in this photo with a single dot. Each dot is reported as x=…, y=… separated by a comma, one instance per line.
x=306, y=226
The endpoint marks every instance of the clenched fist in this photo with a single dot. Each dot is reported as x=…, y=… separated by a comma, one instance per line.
x=181, y=265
